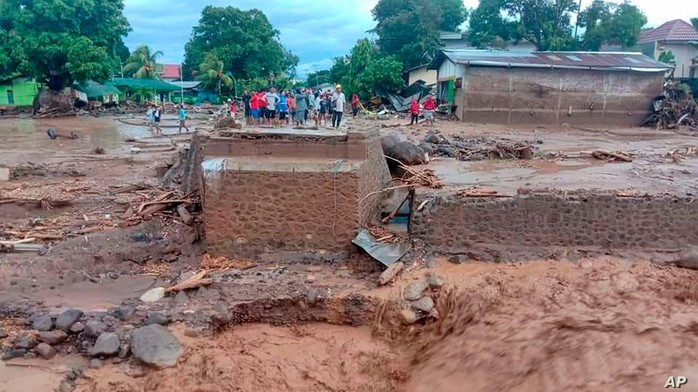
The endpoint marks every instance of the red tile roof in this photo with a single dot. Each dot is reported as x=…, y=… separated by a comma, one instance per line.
x=676, y=30
x=171, y=71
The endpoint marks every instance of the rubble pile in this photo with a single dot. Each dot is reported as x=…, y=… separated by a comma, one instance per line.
x=674, y=108
x=479, y=148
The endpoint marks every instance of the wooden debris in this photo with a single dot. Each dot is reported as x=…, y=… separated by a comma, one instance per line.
x=396, y=211
x=423, y=204
x=381, y=234
x=19, y=248
x=193, y=282
x=675, y=109
x=391, y=273
x=222, y=263
x=478, y=192
x=611, y=156
x=44, y=203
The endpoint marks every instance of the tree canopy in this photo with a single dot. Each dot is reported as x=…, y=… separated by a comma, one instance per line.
x=319, y=77
x=212, y=75
x=61, y=42
x=487, y=24
x=244, y=41
x=606, y=22
x=409, y=29
x=143, y=63
x=365, y=69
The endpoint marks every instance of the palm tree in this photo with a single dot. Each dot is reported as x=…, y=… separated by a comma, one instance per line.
x=143, y=63
x=211, y=73
x=694, y=22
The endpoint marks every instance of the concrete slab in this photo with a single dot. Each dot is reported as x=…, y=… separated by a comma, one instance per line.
x=308, y=132
x=273, y=164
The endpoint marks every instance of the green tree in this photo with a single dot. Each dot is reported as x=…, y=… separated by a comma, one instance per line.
x=606, y=22
x=340, y=69
x=694, y=22
x=409, y=29
x=244, y=41
x=211, y=73
x=60, y=42
x=545, y=23
x=667, y=57
x=367, y=70
x=487, y=24
x=143, y=63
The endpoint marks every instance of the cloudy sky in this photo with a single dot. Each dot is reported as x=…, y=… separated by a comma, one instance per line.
x=315, y=30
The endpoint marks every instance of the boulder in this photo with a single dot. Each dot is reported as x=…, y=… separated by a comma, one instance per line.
x=424, y=304
x=13, y=353
x=157, y=318
x=432, y=138
x=94, y=328
x=155, y=346
x=153, y=295
x=434, y=281
x=408, y=316
x=123, y=312
x=405, y=152
x=26, y=341
x=53, y=337
x=428, y=148
x=67, y=319
x=45, y=351
x=43, y=322
x=95, y=363
x=390, y=140
x=107, y=344
x=688, y=259
x=77, y=327
x=414, y=291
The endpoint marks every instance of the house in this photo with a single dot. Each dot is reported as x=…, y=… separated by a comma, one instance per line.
x=170, y=72
x=548, y=87
x=678, y=37
x=423, y=73
x=104, y=93
x=144, y=89
x=18, y=92
x=188, y=91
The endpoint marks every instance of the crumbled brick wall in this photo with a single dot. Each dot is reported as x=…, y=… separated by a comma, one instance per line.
x=522, y=95
x=451, y=225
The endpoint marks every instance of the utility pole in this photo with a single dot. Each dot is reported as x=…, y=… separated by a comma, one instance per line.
x=576, y=25
x=181, y=85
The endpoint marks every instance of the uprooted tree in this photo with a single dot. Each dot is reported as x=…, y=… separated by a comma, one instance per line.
x=61, y=42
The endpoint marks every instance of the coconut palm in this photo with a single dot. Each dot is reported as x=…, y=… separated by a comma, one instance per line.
x=211, y=73
x=143, y=63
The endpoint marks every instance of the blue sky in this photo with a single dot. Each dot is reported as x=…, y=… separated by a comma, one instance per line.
x=315, y=30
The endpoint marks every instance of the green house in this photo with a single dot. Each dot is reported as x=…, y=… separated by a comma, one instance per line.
x=18, y=92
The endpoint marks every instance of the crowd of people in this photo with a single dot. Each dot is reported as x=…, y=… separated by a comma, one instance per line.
x=276, y=108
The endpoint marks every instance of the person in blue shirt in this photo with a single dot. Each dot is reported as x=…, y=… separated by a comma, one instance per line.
x=182, y=118
x=282, y=108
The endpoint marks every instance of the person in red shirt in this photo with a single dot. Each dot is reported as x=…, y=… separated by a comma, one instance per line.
x=354, y=104
x=429, y=109
x=263, y=106
x=232, y=107
x=414, y=112
x=254, y=107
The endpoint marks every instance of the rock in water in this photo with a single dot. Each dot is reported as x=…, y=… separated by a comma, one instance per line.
x=434, y=281
x=405, y=152
x=13, y=353
x=425, y=304
x=155, y=345
x=106, y=344
x=414, y=291
x=408, y=316
x=94, y=328
x=68, y=318
x=431, y=138
x=688, y=259
x=390, y=140
x=46, y=351
x=43, y=323
x=389, y=274
x=53, y=337
x=153, y=295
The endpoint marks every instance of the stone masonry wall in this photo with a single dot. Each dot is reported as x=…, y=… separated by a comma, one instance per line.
x=374, y=175
x=545, y=96
x=451, y=225
x=256, y=212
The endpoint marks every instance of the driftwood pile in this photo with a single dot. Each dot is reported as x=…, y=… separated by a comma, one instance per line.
x=478, y=149
x=165, y=204
x=674, y=108
x=383, y=235
x=56, y=112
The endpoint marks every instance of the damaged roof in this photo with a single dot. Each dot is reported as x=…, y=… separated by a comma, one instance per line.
x=610, y=61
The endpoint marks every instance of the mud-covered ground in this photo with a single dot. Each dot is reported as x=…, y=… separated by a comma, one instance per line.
x=595, y=324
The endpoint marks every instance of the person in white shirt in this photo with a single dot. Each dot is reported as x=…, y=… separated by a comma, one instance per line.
x=338, y=101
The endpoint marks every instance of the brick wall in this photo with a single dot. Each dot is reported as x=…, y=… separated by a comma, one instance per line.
x=452, y=225
x=545, y=96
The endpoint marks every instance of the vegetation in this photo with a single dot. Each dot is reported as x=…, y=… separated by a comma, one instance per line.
x=319, y=77
x=409, y=29
x=694, y=22
x=211, y=73
x=244, y=41
x=365, y=69
x=487, y=25
x=667, y=57
x=611, y=23
x=143, y=63
x=61, y=42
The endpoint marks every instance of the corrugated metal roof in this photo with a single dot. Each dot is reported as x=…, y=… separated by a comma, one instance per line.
x=185, y=84
x=675, y=30
x=145, y=84
x=95, y=90
x=571, y=60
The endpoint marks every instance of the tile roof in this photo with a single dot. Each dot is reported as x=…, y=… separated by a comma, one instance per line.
x=676, y=30
x=170, y=71
x=571, y=60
